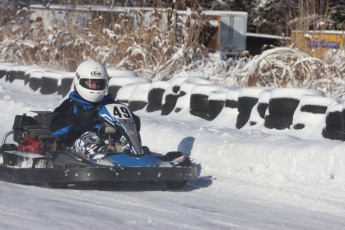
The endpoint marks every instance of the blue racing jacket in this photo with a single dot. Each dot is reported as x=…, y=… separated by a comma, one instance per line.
x=65, y=120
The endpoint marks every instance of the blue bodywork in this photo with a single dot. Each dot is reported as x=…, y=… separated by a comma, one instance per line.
x=125, y=160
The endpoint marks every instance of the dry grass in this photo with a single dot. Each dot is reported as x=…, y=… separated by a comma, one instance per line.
x=112, y=39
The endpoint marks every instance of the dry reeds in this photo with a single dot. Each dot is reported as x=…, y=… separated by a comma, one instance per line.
x=131, y=40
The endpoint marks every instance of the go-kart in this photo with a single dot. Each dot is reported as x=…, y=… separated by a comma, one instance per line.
x=60, y=166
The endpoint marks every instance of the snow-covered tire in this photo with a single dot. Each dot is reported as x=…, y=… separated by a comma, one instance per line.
x=242, y=119
x=214, y=108
x=113, y=89
x=246, y=104
x=333, y=133
x=316, y=109
x=169, y=105
x=136, y=105
x=334, y=118
x=278, y=121
x=231, y=104
x=262, y=107
x=283, y=105
x=154, y=99
x=199, y=105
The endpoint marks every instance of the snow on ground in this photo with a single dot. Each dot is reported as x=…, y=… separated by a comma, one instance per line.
x=249, y=179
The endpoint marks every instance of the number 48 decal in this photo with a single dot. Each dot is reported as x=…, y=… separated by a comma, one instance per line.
x=121, y=112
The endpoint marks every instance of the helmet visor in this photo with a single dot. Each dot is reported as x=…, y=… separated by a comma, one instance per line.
x=94, y=84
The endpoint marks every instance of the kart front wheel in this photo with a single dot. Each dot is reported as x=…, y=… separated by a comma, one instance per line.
x=186, y=163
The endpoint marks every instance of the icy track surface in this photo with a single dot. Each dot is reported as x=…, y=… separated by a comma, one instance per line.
x=249, y=179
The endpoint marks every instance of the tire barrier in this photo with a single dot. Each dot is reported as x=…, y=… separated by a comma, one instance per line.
x=66, y=84
x=257, y=115
x=248, y=97
x=334, y=123
x=116, y=82
x=170, y=96
x=216, y=102
x=155, y=96
x=124, y=93
x=199, y=100
x=184, y=96
x=35, y=80
x=119, y=78
x=4, y=66
x=310, y=115
x=282, y=106
x=178, y=95
x=139, y=97
x=50, y=81
x=11, y=73
x=293, y=109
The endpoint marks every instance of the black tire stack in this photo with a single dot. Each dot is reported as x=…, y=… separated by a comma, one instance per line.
x=155, y=96
x=3, y=69
x=334, y=127
x=125, y=92
x=257, y=116
x=120, y=78
x=139, y=98
x=66, y=84
x=230, y=107
x=171, y=95
x=184, y=97
x=311, y=112
x=50, y=82
x=282, y=106
x=247, y=99
x=216, y=102
x=199, y=100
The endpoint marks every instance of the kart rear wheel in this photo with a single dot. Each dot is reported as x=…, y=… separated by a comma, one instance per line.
x=175, y=184
x=58, y=185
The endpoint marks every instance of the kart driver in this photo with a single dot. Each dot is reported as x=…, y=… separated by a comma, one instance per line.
x=75, y=122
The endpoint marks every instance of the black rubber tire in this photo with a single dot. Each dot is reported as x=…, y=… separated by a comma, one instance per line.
x=214, y=108
x=333, y=133
x=155, y=96
x=231, y=104
x=113, y=89
x=334, y=118
x=283, y=105
x=169, y=105
x=154, y=99
x=136, y=105
x=278, y=121
x=246, y=104
x=242, y=119
x=316, y=109
x=65, y=86
x=262, y=107
x=199, y=105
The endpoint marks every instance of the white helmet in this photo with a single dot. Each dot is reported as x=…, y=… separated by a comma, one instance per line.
x=91, y=80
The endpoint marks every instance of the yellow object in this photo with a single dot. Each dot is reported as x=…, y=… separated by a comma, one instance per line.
x=318, y=42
